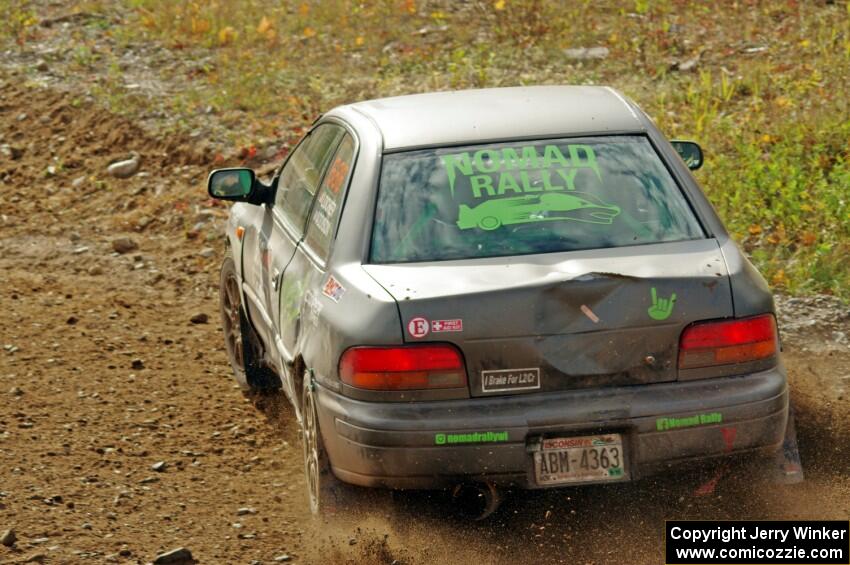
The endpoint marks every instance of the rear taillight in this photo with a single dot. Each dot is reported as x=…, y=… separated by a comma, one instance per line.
x=403, y=368
x=725, y=342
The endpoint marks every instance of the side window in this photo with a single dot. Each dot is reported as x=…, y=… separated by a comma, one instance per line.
x=326, y=211
x=300, y=176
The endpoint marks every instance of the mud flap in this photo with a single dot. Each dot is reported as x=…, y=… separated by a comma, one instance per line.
x=258, y=376
x=788, y=468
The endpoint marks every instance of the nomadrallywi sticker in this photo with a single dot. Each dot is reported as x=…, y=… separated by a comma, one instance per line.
x=471, y=437
x=333, y=289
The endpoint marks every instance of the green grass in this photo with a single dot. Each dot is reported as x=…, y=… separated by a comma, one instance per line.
x=767, y=99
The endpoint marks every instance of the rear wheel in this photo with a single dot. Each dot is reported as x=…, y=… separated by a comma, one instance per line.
x=320, y=479
x=329, y=497
x=240, y=341
x=489, y=223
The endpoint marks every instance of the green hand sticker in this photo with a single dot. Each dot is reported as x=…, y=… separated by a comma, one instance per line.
x=661, y=307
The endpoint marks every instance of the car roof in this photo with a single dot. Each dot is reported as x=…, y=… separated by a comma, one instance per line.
x=477, y=116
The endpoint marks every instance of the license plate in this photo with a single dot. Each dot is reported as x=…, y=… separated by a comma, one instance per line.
x=580, y=459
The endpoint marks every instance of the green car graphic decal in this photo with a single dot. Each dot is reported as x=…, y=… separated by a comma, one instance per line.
x=573, y=206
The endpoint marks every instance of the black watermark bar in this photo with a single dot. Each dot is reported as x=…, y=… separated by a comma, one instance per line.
x=742, y=542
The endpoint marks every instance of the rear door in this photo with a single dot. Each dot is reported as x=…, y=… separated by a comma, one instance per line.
x=271, y=239
x=306, y=285
x=297, y=185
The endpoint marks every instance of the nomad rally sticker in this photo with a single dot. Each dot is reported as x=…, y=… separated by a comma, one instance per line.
x=504, y=380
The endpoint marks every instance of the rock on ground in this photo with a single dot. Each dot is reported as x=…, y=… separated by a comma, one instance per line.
x=174, y=557
x=8, y=538
x=586, y=53
x=124, y=245
x=199, y=318
x=125, y=169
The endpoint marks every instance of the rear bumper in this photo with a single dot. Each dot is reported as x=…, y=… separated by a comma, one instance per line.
x=397, y=445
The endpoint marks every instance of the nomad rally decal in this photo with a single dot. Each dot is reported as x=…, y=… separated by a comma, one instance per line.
x=662, y=424
x=575, y=206
x=506, y=179
x=506, y=380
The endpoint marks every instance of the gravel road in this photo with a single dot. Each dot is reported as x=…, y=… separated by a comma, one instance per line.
x=123, y=437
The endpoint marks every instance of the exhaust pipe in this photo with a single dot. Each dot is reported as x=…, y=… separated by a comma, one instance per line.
x=478, y=500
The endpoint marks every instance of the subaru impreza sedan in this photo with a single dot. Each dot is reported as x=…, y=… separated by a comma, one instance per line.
x=518, y=287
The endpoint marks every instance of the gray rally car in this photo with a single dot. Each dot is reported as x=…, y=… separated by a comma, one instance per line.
x=515, y=286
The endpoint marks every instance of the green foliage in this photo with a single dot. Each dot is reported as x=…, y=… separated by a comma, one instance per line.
x=760, y=85
x=17, y=19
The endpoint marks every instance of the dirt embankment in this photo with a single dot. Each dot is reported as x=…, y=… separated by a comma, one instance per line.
x=122, y=435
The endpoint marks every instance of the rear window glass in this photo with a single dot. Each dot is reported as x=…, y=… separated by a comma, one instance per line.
x=526, y=197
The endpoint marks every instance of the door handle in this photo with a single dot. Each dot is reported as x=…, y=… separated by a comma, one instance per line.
x=275, y=279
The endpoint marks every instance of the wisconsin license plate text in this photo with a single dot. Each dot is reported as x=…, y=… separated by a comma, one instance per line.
x=580, y=459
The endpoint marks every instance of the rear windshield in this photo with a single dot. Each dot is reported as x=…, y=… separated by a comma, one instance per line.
x=526, y=197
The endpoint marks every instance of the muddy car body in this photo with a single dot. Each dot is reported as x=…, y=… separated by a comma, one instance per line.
x=598, y=346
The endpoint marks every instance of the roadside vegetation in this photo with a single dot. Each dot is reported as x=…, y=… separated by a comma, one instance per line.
x=762, y=86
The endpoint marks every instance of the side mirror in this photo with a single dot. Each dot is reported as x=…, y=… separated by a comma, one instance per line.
x=232, y=184
x=690, y=152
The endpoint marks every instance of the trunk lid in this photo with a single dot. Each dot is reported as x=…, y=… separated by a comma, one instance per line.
x=562, y=321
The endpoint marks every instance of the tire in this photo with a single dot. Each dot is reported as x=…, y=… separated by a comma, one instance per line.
x=489, y=223
x=328, y=497
x=321, y=482
x=241, y=343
